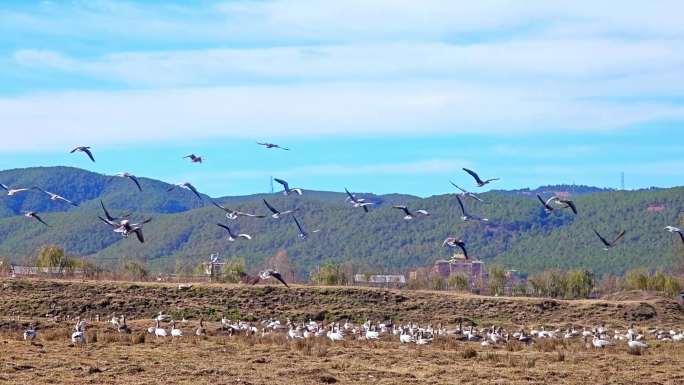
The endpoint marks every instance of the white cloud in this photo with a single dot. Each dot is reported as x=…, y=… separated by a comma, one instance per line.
x=55, y=120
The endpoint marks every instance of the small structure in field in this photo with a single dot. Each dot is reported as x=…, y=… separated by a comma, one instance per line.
x=386, y=280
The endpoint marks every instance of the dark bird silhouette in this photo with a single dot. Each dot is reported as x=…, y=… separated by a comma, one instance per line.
x=34, y=215
x=194, y=158
x=86, y=150
x=477, y=178
x=610, y=245
x=272, y=145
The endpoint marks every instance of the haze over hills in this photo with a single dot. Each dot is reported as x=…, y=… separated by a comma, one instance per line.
x=520, y=235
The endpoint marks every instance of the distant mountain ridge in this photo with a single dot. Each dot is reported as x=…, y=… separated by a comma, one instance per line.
x=519, y=235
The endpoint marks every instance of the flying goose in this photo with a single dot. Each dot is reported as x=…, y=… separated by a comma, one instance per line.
x=84, y=149
x=467, y=217
x=187, y=186
x=232, y=237
x=55, y=197
x=465, y=193
x=610, y=245
x=358, y=202
x=194, y=158
x=266, y=274
x=302, y=234
x=131, y=177
x=272, y=145
x=455, y=242
x=565, y=203
x=276, y=214
x=410, y=215
x=546, y=203
x=109, y=217
x=677, y=230
x=480, y=182
x=287, y=188
x=234, y=214
x=125, y=227
x=13, y=191
x=34, y=215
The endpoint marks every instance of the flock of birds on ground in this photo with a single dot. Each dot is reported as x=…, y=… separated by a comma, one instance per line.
x=410, y=333
x=124, y=226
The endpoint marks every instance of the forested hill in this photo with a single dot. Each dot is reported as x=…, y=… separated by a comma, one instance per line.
x=520, y=235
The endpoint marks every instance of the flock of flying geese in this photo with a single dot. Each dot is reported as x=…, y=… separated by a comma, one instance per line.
x=123, y=225
x=409, y=333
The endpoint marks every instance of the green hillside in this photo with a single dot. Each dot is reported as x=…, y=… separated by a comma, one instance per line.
x=520, y=234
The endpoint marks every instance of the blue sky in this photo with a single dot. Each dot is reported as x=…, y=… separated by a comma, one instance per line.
x=383, y=96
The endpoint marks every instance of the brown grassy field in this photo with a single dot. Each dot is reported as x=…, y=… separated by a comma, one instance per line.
x=111, y=358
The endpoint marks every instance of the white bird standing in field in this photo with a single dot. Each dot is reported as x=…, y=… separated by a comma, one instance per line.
x=174, y=331
x=78, y=336
x=158, y=331
x=633, y=343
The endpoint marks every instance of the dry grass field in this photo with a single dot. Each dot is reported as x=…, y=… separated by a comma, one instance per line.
x=139, y=358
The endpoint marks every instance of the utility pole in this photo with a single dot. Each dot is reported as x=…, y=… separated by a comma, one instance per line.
x=271, y=185
x=622, y=180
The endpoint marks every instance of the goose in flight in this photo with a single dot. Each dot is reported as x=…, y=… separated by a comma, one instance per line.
x=126, y=228
x=480, y=182
x=231, y=236
x=277, y=214
x=546, y=203
x=187, y=186
x=610, y=245
x=287, y=188
x=565, y=203
x=302, y=233
x=131, y=177
x=358, y=202
x=266, y=274
x=55, y=197
x=234, y=214
x=34, y=215
x=13, y=191
x=677, y=230
x=467, y=217
x=410, y=215
x=465, y=193
x=272, y=145
x=455, y=242
x=194, y=158
x=84, y=149
x=109, y=217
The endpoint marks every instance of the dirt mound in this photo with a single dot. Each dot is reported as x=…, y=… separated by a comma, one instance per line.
x=36, y=298
x=635, y=295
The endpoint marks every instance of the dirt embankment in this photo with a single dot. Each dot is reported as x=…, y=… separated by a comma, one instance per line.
x=35, y=298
